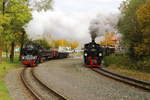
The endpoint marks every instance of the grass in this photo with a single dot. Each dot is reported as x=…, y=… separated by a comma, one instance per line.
x=5, y=67
x=123, y=64
x=132, y=73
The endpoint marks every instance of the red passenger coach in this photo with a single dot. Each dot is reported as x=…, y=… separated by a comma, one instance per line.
x=54, y=53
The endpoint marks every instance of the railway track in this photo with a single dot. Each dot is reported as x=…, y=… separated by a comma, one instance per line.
x=37, y=95
x=127, y=80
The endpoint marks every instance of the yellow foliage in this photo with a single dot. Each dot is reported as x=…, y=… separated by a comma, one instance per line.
x=143, y=18
x=143, y=15
x=65, y=43
x=61, y=43
x=109, y=40
x=74, y=45
x=142, y=49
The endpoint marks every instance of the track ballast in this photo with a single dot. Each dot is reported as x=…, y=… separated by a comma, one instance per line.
x=33, y=91
x=125, y=79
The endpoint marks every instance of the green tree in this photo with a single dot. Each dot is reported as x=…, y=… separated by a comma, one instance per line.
x=129, y=26
x=4, y=22
x=41, y=4
x=19, y=14
x=43, y=43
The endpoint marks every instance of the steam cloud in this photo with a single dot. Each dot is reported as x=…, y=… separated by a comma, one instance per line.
x=103, y=24
x=69, y=26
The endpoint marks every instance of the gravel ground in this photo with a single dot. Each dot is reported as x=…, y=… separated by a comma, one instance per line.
x=76, y=82
x=16, y=87
x=46, y=95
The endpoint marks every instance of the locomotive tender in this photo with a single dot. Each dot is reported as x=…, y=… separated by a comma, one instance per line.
x=93, y=54
x=33, y=54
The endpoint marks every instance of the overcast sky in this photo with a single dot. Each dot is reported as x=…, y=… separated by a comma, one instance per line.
x=70, y=19
x=102, y=6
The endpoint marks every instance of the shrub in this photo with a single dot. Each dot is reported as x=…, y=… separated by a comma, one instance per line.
x=116, y=60
x=123, y=61
x=143, y=65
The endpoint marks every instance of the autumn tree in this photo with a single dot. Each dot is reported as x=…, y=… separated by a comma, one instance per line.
x=143, y=19
x=4, y=22
x=61, y=43
x=43, y=43
x=129, y=27
x=19, y=14
x=110, y=39
x=73, y=45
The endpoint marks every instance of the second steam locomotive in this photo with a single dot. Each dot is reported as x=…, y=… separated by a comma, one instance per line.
x=33, y=54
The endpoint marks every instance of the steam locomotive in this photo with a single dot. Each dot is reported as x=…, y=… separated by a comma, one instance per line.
x=93, y=54
x=33, y=54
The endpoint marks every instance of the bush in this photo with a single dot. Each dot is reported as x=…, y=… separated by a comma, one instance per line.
x=125, y=62
x=116, y=60
x=143, y=65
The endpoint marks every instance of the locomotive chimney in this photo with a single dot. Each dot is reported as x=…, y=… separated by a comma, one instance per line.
x=93, y=40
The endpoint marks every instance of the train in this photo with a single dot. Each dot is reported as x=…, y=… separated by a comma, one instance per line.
x=93, y=54
x=34, y=54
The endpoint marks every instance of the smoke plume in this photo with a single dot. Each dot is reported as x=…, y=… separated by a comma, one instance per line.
x=103, y=24
x=69, y=26
x=59, y=25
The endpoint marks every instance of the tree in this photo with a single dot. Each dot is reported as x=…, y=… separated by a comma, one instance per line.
x=129, y=27
x=61, y=43
x=20, y=15
x=143, y=18
x=109, y=40
x=74, y=45
x=4, y=21
x=40, y=5
x=43, y=43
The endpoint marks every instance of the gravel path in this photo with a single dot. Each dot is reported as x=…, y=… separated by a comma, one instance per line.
x=46, y=94
x=70, y=78
x=16, y=87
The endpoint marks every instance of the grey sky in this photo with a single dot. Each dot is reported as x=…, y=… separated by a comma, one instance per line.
x=102, y=6
x=70, y=19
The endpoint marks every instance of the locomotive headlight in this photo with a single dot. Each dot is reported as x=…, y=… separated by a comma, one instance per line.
x=85, y=54
x=100, y=54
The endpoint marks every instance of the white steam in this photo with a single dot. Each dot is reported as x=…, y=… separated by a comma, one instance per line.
x=103, y=24
x=69, y=26
x=58, y=25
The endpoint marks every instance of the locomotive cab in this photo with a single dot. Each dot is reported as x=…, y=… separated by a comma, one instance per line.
x=92, y=54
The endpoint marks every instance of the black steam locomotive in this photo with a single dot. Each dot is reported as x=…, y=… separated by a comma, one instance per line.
x=93, y=54
x=33, y=54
